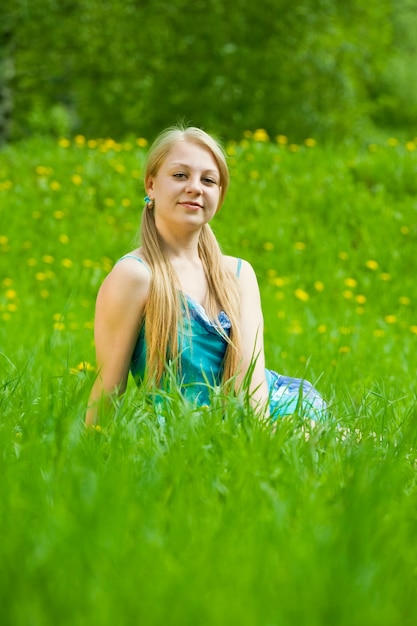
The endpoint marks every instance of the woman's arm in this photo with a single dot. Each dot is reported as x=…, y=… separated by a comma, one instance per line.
x=119, y=312
x=252, y=329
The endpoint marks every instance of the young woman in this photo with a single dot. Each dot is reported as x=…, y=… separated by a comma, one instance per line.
x=177, y=303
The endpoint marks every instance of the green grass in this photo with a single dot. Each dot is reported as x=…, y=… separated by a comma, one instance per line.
x=211, y=520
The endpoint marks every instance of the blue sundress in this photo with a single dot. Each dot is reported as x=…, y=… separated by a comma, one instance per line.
x=202, y=348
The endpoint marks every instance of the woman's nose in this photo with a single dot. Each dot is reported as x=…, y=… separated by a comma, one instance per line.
x=194, y=185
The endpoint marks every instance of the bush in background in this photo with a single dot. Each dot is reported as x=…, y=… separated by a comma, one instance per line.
x=127, y=66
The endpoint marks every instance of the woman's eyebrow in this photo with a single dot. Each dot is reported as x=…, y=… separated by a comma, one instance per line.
x=188, y=166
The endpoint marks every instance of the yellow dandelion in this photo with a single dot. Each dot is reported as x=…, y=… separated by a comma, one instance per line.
x=126, y=203
x=411, y=146
x=268, y=246
x=76, y=179
x=4, y=240
x=360, y=299
x=67, y=263
x=385, y=276
x=92, y=143
x=345, y=330
x=321, y=329
x=55, y=185
x=405, y=300
x=80, y=140
x=371, y=264
x=413, y=329
x=84, y=366
x=59, y=215
x=7, y=282
x=293, y=147
x=271, y=272
x=404, y=230
x=89, y=325
x=343, y=256
x=379, y=332
x=231, y=148
x=136, y=174
x=351, y=282
x=12, y=307
x=59, y=326
x=63, y=238
x=319, y=286
x=88, y=263
x=11, y=294
x=47, y=258
x=254, y=174
x=64, y=142
x=260, y=135
x=295, y=328
x=301, y=295
x=107, y=264
x=300, y=246
x=347, y=294
x=390, y=319
x=109, y=202
x=41, y=276
x=279, y=282
x=344, y=349
x=392, y=141
x=57, y=317
x=141, y=142
x=282, y=140
x=310, y=143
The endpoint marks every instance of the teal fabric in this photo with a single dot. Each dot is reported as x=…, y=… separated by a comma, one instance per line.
x=202, y=347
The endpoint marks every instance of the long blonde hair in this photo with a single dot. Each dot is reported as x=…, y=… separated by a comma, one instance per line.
x=163, y=307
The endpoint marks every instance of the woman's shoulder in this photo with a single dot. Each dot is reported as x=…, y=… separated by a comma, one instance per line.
x=129, y=277
x=237, y=265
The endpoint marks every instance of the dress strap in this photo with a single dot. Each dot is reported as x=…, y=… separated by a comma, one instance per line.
x=239, y=267
x=130, y=256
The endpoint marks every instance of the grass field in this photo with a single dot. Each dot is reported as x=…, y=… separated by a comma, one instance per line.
x=213, y=521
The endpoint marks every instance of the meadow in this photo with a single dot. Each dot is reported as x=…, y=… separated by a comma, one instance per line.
x=213, y=520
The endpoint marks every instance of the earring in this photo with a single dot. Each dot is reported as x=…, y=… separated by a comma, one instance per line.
x=149, y=202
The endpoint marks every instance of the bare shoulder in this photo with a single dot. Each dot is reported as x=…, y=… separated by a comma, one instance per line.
x=127, y=283
x=241, y=268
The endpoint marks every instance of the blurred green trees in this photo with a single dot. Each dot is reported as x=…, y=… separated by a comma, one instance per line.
x=113, y=67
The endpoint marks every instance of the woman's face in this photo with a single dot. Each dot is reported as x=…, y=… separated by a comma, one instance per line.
x=186, y=188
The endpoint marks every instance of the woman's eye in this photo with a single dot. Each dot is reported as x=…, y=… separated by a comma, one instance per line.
x=179, y=175
x=211, y=181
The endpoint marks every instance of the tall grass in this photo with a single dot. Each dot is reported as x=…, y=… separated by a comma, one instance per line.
x=212, y=519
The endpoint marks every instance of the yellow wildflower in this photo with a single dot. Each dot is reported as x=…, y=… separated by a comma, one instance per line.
x=372, y=264
x=260, y=135
x=301, y=295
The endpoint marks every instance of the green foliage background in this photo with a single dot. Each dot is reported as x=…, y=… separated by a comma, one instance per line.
x=322, y=69
x=212, y=519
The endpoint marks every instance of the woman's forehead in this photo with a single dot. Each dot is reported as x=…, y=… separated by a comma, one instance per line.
x=191, y=154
